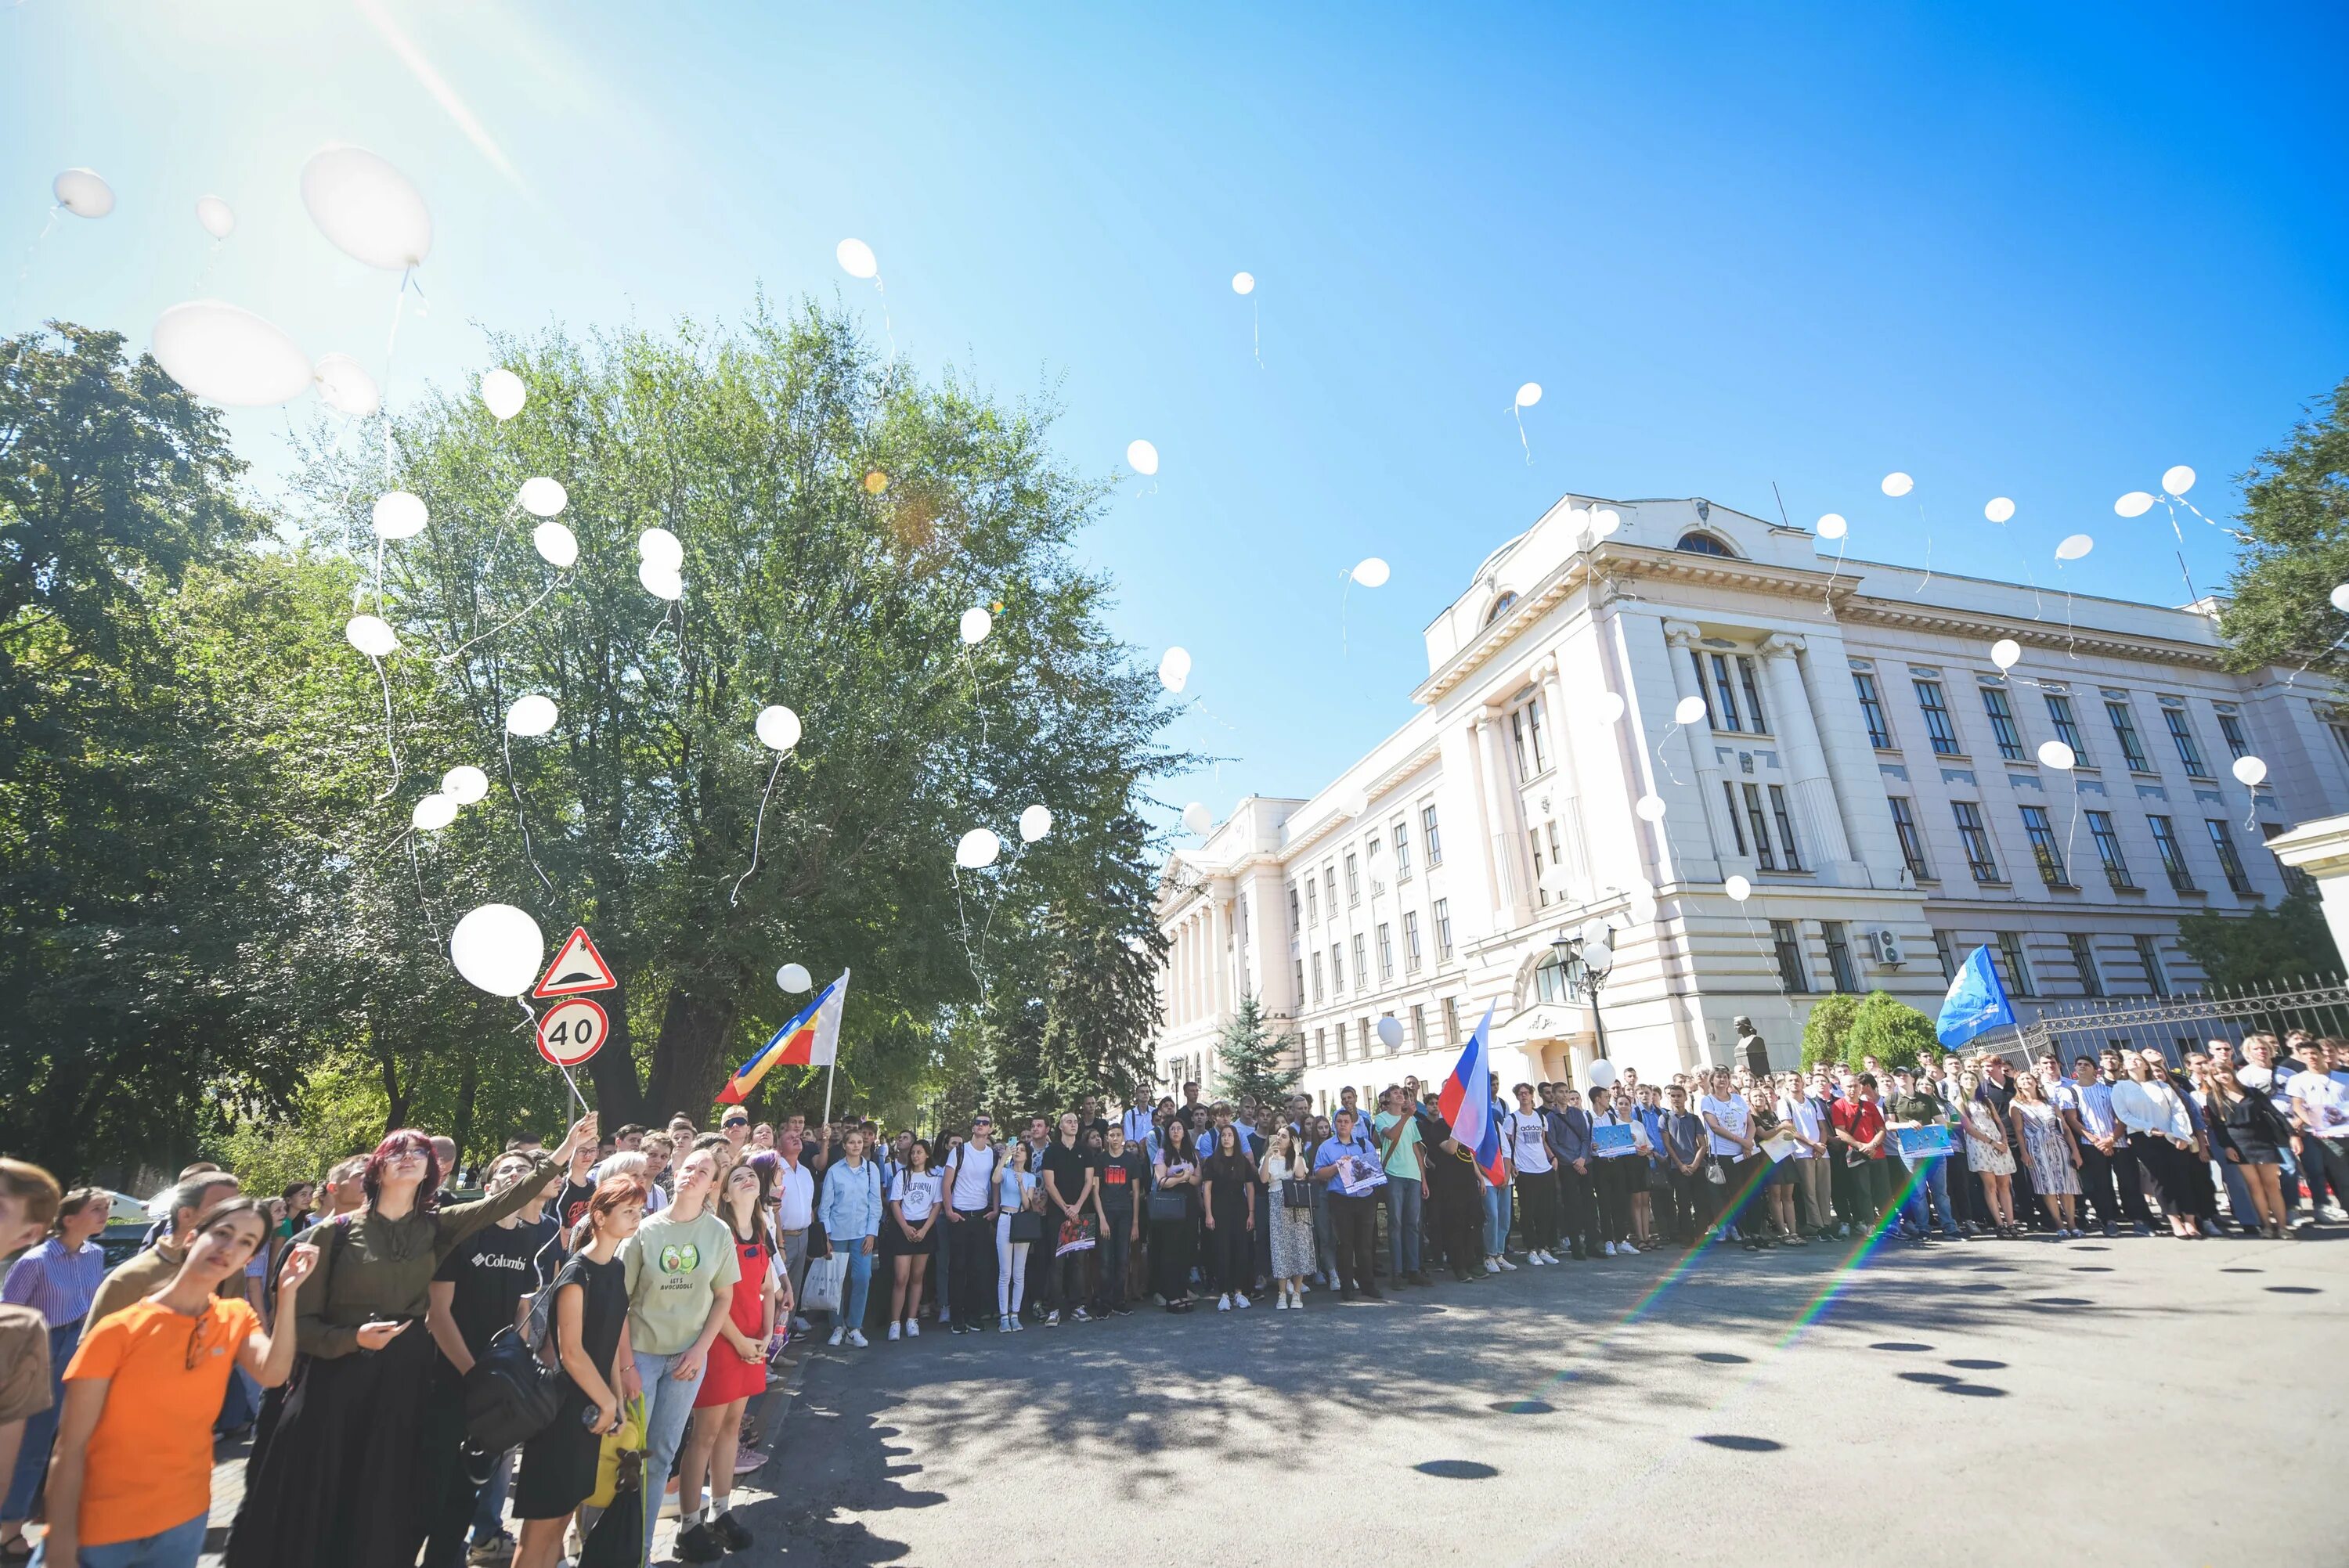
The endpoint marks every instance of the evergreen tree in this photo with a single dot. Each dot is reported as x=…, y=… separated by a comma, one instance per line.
x=1252, y=1063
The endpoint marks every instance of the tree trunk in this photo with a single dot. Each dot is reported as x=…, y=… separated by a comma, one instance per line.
x=395, y=1115
x=690, y=1057
x=613, y=1069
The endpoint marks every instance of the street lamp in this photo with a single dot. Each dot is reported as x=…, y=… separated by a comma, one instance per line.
x=1587, y=956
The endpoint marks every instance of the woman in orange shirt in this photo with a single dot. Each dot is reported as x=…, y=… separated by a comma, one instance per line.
x=130, y=1486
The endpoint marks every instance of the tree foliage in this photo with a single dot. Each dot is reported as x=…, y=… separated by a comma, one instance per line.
x=1252, y=1064
x=1891, y=1030
x=2268, y=947
x=1827, y=1029
x=2296, y=517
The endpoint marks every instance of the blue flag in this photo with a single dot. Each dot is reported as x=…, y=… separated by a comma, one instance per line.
x=1976, y=1002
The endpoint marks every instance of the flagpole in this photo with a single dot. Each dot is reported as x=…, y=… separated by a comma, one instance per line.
x=829, y=1073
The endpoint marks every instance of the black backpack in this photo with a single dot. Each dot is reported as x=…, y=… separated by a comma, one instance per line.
x=515, y=1389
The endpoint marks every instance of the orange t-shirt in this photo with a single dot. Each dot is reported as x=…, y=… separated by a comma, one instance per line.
x=150, y=1464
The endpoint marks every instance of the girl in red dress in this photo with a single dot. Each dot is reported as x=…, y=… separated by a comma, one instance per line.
x=736, y=1372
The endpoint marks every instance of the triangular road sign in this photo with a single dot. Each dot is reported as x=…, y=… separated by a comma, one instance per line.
x=577, y=969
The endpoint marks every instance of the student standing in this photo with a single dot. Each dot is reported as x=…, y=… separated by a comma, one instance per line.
x=1728, y=1122
x=850, y=1212
x=589, y=1318
x=1173, y=1235
x=58, y=1279
x=970, y=1186
x=737, y=1374
x=1124, y=1178
x=1990, y=1154
x=1227, y=1191
x=1859, y=1136
x=1614, y=1172
x=1350, y=1216
x=2046, y=1145
x=1017, y=1224
x=1396, y=1128
x=1570, y=1142
x=1286, y=1176
x=1526, y=1135
x=1069, y=1179
x=914, y=1197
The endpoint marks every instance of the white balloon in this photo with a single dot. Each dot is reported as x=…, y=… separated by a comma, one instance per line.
x=1599, y=955
x=1737, y=888
x=1371, y=571
x=371, y=634
x=1142, y=457
x=531, y=715
x=1243, y=283
x=216, y=215
x=465, y=784
x=398, y=514
x=345, y=386
x=1642, y=906
x=2073, y=547
x=498, y=948
x=1605, y=521
x=660, y=582
x=1687, y=710
x=556, y=543
x=2179, y=480
x=2250, y=770
x=976, y=623
x=1648, y=807
x=660, y=547
x=84, y=192
x=432, y=813
x=1174, y=668
x=503, y=394
x=1529, y=394
x=2137, y=503
x=1197, y=818
x=2340, y=597
x=1833, y=526
x=778, y=728
x=1035, y=822
x=793, y=977
x=978, y=849
x=1595, y=930
x=1602, y=1074
x=2056, y=755
x=1998, y=509
x=1357, y=802
x=229, y=356
x=545, y=497
x=1611, y=707
x=2005, y=653
x=1391, y=1034
x=856, y=258
x=1898, y=483
x=366, y=208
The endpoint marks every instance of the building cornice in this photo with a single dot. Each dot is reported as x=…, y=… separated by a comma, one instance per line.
x=1976, y=626
x=1425, y=755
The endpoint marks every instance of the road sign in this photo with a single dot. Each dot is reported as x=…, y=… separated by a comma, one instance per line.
x=577, y=969
x=572, y=1031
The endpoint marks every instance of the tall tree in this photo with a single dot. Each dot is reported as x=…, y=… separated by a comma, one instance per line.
x=2296, y=518
x=2281, y=946
x=1250, y=1062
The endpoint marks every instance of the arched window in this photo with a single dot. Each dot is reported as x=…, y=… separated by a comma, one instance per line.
x=1500, y=606
x=1550, y=983
x=1698, y=543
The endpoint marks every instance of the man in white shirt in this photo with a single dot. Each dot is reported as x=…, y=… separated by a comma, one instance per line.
x=970, y=1201
x=1525, y=1134
x=794, y=1212
x=2320, y=1108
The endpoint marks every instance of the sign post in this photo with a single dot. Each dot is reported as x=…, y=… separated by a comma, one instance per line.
x=575, y=1027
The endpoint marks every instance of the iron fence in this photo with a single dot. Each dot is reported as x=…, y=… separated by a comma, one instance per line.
x=2176, y=1025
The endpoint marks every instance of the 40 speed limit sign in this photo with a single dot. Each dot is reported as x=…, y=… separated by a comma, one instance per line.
x=571, y=1031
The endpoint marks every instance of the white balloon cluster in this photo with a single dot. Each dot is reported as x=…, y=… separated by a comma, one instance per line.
x=660, y=563
x=462, y=785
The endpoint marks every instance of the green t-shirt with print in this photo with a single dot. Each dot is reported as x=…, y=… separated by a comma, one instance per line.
x=675, y=1269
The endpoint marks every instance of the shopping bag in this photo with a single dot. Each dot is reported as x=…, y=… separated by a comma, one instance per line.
x=820, y=1291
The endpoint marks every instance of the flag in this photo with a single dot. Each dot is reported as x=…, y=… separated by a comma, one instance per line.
x=811, y=1040
x=1466, y=1101
x=1976, y=1001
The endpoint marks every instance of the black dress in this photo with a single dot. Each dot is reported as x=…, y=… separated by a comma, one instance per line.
x=1174, y=1243
x=558, y=1466
x=2252, y=1127
x=1231, y=1249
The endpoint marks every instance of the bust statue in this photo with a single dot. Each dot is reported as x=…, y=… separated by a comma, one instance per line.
x=1757, y=1052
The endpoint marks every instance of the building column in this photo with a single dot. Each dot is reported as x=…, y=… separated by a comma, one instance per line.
x=1219, y=997
x=1567, y=806
x=1500, y=809
x=1813, y=792
x=1682, y=637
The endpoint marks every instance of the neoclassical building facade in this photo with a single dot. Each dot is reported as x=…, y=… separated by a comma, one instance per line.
x=1853, y=755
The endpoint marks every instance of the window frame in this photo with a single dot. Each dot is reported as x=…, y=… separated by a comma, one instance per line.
x=2066, y=725
x=1871, y=711
x=2083, y=963
x=1913, y=842
x=2108, y=839
x=2172, y=850
x=1973, y=838
x=2004, y=733
x=1782, y=813
x=1836, y=935
x=1794, y=964
x=1402, y=850
x=1429, y=835
x=2019, y=977
x=2047, y=850
x=2231, y=859
x=2181, y=733
x=2123, y=717
x=1411, y=951
x=1441, y=914
x=1941, y=724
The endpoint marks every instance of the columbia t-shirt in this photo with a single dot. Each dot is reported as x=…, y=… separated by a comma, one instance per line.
x=149, y=1463
x=675, y=1269
x=1526, y=1129
x=492, y=1272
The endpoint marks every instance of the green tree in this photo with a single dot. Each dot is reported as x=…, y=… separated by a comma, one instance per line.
x=1827, y=1028
x=2267, y=947
x=1889, y=1029
x=2295, y=549
x=1251, y=1063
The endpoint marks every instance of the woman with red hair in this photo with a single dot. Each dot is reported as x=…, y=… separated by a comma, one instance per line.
x=336, y=1479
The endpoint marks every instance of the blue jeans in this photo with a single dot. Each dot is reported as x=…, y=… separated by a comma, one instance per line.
x=1403, y=1199
x=1930, y=1195
x=668, y=1406
x=1497, y=1220
x=41, y=1427
x=178, y=1547
x=859, y=1281
x=490, y=1505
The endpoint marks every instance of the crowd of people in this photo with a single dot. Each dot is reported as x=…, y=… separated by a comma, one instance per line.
x=355, y=1327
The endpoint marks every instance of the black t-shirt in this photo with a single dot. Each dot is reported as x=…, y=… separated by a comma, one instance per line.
x=572, y=1206
x=605, y=1308
x=1122, y=1176
x=1067, y=1167
x=495, y=1268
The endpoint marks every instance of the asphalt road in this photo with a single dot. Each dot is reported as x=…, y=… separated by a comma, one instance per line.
x=2019, y=1401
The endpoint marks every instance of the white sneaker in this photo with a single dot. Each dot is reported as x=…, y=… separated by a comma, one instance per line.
x=1223, y=1303
x=1508, y=1264
x=1239, y=1301
x=1281, y=1304
x=1052, y=1318
x=837, y=1335
x=1018, y=1326
x=896, y=1330
x=798, y=1325
x=857, y=1337
x=913, y=1329
x=1628, y=1250
x=1610, y=1249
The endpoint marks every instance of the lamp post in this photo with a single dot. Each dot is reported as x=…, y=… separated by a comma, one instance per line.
x=1587, y=956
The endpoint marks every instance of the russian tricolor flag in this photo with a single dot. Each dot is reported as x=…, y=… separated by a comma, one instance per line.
x=1466, y=1101
x=811, y=1040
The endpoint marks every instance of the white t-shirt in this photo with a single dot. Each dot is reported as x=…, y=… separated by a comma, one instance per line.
x=794, y=1198
x=2323, y=1102
x=1733, y=1114
x=1525, y=1146
x=915, y=1194
x=1806, y=1118
x=974, y=1175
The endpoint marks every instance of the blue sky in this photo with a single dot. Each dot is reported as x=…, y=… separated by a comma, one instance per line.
x=2042, y=251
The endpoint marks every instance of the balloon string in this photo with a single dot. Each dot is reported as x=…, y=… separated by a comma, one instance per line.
x=390, y=743
x=881, y=289
x=1928, y=527
x=1665, y=762
x=977, y=691
x=423, y=902
x=1519, y=417
x=204, y=273
x=522, y=819
x=758, y=832
x=454, y=654
x=969, y=955
x=25, y=268
x=2070, y=639
x=390, y=349
x=1827, y=594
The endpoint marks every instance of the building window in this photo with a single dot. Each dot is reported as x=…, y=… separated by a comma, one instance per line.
x=1361, y=963
x=1419, y=1026
x=2173, y=854
x=1336, y=970
x=1316, y=976
x=1342, y=1042
x=1912, y=843
x=1427, y=832
x=2017, y=963
x=1533, y=838
x=1714, y=716
x=1403, y=851
x=1840, y=965
x=1353, y=879
x=1778, y=812
x=1443, y=929
x=1938, y=728
x=2044, y=849
x=1329, y=880
x=1300, y=982
x=2124, y=731
x=1386, y=951
x=2295, y=879
x=1321, y=1049
x=1312, y=898
x=1500, y=607
x=2230, y=730
x=1549, y=980
x=2149, y=958
x=1871, y=710
x=2108, y=851
x=1764, y=856
x=2182, y=734
x=1411, y=941
x=2067, y=729
x=1975, y=837
x=2223, y=840
x=1295, y=923
x=1697, y=544
x=1945, y=948
x=1451, y=1020
x=1746, y=679
x=1788, y=945
x=1736, y=828
x=1371, y=854
x=2084, y=960
x=2002, y=724
x=1526, y=735
x=1369, y=1048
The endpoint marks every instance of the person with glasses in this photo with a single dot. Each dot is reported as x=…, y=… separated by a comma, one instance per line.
x=971, y=1173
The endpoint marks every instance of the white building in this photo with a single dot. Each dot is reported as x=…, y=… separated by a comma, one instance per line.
x=1862, y=762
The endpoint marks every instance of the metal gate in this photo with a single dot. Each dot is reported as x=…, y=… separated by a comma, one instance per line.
x=2176, y=1025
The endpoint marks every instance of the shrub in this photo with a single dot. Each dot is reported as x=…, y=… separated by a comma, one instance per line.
x=1889, y=1030
x=1824, y=1035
